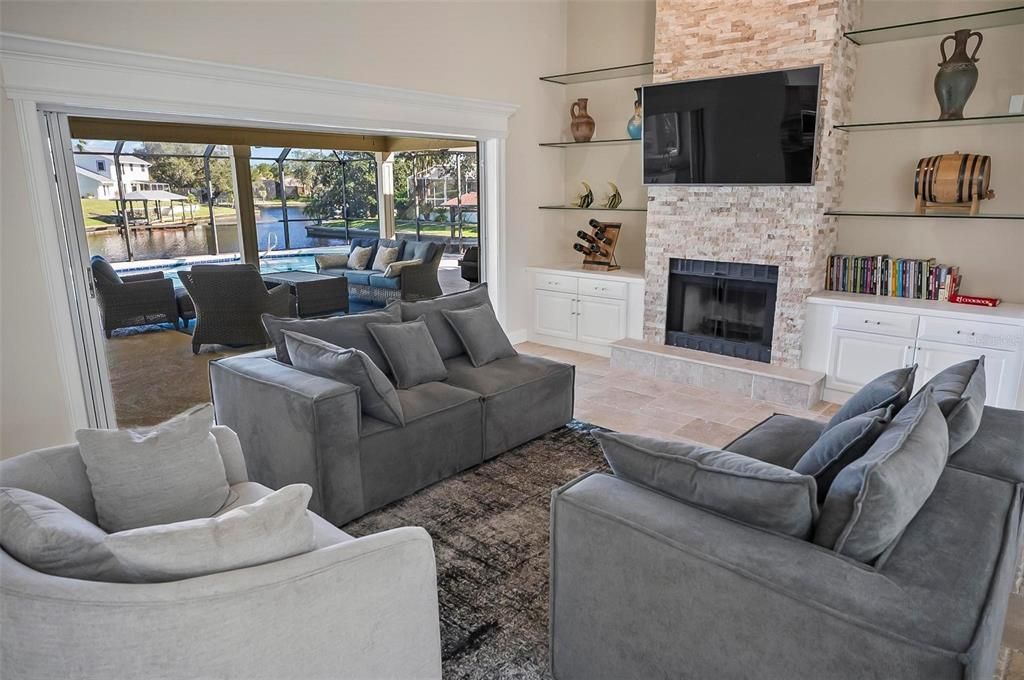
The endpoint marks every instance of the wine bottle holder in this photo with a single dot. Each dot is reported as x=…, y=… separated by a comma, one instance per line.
x=599, y=245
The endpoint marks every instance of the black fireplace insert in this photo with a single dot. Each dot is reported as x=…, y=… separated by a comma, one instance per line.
x=722, y=307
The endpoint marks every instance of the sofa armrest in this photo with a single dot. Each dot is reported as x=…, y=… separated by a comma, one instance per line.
x=419, y=281
x=293, y=427
x=365, y=608
x=682, y=587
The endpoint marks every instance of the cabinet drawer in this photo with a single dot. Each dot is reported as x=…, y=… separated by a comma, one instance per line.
x=607, y=289
x=869, y=321
x=972, y=333
x=556, y=282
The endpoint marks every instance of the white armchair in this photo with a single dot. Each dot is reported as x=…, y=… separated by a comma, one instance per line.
x=354, y=608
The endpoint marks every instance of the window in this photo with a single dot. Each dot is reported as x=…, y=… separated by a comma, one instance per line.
x=101, y=165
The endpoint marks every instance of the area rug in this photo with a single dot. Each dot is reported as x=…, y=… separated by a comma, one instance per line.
x=490, y=531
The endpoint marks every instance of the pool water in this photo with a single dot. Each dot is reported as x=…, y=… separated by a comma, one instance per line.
x=268, y=264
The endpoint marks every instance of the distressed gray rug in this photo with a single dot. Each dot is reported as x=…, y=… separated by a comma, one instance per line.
x=490, y=531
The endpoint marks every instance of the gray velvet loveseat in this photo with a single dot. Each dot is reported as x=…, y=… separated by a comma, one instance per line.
x=646, y=586
x=412, y=276
x=299, y=427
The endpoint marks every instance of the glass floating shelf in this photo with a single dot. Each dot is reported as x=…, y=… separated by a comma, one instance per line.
x=563, y=145
x=919, y=29
x=931, y=215
x=644, y=69
x=593, y=208
x=997, y=119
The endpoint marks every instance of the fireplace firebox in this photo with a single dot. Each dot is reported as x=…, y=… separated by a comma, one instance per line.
x=722, y=307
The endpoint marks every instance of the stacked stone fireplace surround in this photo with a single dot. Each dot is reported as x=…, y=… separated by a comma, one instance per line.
x=777, y=225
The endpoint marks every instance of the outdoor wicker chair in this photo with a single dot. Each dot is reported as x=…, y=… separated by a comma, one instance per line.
x=229, y=299
x=132, y=300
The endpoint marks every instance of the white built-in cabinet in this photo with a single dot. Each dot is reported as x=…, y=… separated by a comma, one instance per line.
x=585, y=310
x=854, y=338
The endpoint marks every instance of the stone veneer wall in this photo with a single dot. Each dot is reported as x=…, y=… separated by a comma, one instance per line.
x=779, y=225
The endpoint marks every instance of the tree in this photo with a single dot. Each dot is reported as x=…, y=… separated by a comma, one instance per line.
x=346, y=188
x=183, y=173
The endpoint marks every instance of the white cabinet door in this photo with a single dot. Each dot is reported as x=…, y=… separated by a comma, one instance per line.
x=1002, y=368
x=554, y=314
x=601, y=320
x=857, y=358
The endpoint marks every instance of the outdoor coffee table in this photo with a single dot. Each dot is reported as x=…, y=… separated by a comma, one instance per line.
x=315, y=294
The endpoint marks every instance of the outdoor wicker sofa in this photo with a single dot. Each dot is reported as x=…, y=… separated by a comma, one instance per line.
x=412, y=282
x=132, y=300
x=229, y=299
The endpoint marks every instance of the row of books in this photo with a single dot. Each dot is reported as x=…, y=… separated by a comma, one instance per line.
x=893, y=277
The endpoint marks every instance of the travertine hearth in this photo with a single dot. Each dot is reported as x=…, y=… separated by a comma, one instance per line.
x=776, y=225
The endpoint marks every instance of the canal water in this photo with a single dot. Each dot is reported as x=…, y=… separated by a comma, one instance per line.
x=149, y=244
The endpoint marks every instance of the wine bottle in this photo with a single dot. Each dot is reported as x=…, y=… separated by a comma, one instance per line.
x=580, y=248
x=586, y=237
x=599, y=232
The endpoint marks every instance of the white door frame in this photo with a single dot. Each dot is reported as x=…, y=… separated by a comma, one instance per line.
x=50, y=75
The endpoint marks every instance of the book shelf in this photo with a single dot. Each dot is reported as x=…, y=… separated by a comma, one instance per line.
x=995, y=119
x=921, y=29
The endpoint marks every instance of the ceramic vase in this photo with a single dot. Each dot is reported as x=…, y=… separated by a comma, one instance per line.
x=635, y=126
x=957, y=74
x=582, y=126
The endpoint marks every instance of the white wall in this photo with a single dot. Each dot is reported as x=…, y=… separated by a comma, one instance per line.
x=894, y=82
x=491, y=50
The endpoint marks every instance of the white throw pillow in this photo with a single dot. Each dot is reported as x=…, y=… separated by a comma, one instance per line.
x=385, y=256
x=273, y=528
x=359, y=258
x=157, y=475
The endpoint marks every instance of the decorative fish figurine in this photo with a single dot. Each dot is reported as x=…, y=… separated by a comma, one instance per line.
x=586, y=199
x=614, y=199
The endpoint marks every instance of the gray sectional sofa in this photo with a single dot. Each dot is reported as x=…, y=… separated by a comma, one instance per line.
x=646, y=586
x=299, y=427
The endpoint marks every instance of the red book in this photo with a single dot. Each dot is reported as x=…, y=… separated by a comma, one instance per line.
x=975, y=300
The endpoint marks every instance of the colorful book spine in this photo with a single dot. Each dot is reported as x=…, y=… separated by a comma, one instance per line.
x=921, y=279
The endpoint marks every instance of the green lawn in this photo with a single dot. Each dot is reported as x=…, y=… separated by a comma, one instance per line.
x=102, y=213
x=408, y=226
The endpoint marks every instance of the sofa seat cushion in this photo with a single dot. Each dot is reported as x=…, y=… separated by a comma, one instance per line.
x=779, y=439
x=997, y=449
x=324, y=533
x=381, y=281
x=334, y=271
x=524, y=397
x=359, y=278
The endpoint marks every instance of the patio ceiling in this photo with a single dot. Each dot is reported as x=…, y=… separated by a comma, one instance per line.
x=148, y=131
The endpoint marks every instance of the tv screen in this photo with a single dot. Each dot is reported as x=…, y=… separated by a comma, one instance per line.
x=750, y=129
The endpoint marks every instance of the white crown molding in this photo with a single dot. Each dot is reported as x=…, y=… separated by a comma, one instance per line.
x=74, y=75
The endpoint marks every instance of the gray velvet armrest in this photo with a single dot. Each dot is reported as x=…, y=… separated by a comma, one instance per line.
x=294, y=427
x=761, y=597
x=997, y=449
x=779, y=439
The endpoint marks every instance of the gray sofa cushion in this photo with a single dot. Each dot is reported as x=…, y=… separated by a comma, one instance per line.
x=839, y=446
x=377, y=395
x=418, y=250
x=779, y=439
x=480, y=333
x=381, y=281
x=997, y=450
x=893, y=388
x=156, y=475
x=960, y=393
x=447, y=342
x=43, y=534
x=359, y=278
x=734, y=485
x=273, y=528
x=344, y=331
x=410, y=352
x=875, y=497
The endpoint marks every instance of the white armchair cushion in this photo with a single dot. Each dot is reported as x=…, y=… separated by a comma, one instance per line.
x=168, y=473
x=385, y=256
x=273, y=528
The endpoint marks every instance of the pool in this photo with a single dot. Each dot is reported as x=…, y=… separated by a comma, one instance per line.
x=274, y=262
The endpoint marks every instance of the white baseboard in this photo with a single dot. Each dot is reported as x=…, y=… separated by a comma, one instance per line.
x=516, y=337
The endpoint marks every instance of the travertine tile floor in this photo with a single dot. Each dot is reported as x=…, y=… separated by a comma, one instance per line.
x=630, y=402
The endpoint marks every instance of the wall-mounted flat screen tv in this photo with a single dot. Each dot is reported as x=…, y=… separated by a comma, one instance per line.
x=758, y=128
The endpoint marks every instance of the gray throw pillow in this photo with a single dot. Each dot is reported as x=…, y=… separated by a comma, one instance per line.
x=892, y=388
x=838, y=447
x=347, y=331
x=745, y=489
x=43, y=534
x=447, y=342
x=376, y=393
x=155, y=475
x=960, y=394
x=481, y=334
x=873, y=499
x=410, y=352
x=273, y=528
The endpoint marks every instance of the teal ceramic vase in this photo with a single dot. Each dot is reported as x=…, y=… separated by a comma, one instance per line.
x=635, y=126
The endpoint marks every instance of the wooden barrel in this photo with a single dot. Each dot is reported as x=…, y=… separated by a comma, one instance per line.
x=952, y=178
